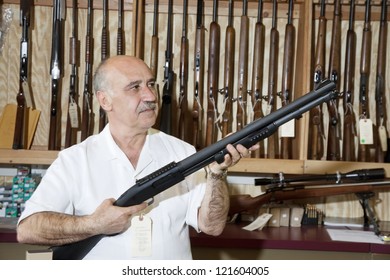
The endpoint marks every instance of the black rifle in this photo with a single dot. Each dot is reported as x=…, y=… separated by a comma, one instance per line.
x=88, y=115
x=72, y=123
x=166, y=107
x=20, y=135
x=55, y=72
x=173, y=173
x=355, y=175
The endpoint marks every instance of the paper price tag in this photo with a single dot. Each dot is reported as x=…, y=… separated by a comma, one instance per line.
x=288, y=129
x=141, y=239
x=73, y=114
x=259, y=223
x=366, y=136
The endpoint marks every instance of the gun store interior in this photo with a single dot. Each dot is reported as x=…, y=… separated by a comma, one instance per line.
x=318, y=187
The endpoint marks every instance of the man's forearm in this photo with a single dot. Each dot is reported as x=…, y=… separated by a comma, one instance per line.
x=215, y=206
x=49, y=228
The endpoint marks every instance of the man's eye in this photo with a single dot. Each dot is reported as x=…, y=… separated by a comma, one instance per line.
x=136, y=87
x=152, y=84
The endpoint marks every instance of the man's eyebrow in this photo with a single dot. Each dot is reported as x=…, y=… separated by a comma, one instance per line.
x=151, y=80
x=133, y=83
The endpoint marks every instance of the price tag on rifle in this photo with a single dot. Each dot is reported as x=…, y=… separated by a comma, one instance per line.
x=73, y=114
x=366, y=136
x=141, y=238
x=288, y=129
x=383, y=138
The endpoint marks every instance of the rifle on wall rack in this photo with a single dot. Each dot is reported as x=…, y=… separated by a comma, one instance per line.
x=242, y=83
x=120, y=39
x=333, y=140
x=59, y=7
x=105, y=53
x=154, y=44
x=365, y=123
x=169, y=75
x=175, y=172
x=273, y=141
x=197, y=109
x=228, y=79
x=380, y=135
x=257, y=72
x=316, y=126
x=287, y=83
x=183, y=78
x=213, y=77
x=20, y=140
x=72, y=124
x=348, y=91
x=87, y=112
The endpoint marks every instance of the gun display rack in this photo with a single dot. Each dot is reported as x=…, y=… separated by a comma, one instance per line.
x=304, y=17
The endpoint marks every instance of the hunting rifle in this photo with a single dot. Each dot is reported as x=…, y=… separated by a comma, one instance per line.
x=175, y=172
x=280, y=188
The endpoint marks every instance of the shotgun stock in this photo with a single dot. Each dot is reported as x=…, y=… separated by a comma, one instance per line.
x=242, y=84
x=183, y=78
x=166, y=107
x=197, y=109
x=20, y=134
x=56, y=73
x=364, y=112
x=273, y=140
x=348, y=92
x=228, y=75
x=257, y=73
x=287, y=79
x=316, y=126
x=380, y=135
x=72, y=124
x=333, y=140
x=87, y=112
x=213, y=77
x=173, y=173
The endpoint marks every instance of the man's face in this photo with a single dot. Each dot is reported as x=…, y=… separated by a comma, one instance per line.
x=134, y=95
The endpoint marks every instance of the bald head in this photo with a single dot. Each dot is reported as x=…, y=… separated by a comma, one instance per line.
x=116, y=65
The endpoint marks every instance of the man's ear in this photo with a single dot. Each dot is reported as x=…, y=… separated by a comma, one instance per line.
x=104, y=100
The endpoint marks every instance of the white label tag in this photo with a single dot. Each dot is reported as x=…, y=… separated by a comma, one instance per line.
x=259, y=223
x=288, y=129
x=366, y=136
x=73, y=114
x=383, y=138
x=141, y=239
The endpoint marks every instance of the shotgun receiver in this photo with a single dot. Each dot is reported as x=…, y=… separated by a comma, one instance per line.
x=173, y=173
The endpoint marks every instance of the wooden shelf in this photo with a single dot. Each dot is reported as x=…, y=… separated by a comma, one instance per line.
x=34, y=157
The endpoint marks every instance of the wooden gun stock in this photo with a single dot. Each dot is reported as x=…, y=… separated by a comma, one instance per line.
x=154, y=44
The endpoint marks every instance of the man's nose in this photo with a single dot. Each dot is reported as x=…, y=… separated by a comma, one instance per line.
x=150, y=94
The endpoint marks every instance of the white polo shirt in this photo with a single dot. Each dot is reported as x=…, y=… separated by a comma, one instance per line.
x=85, y=174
